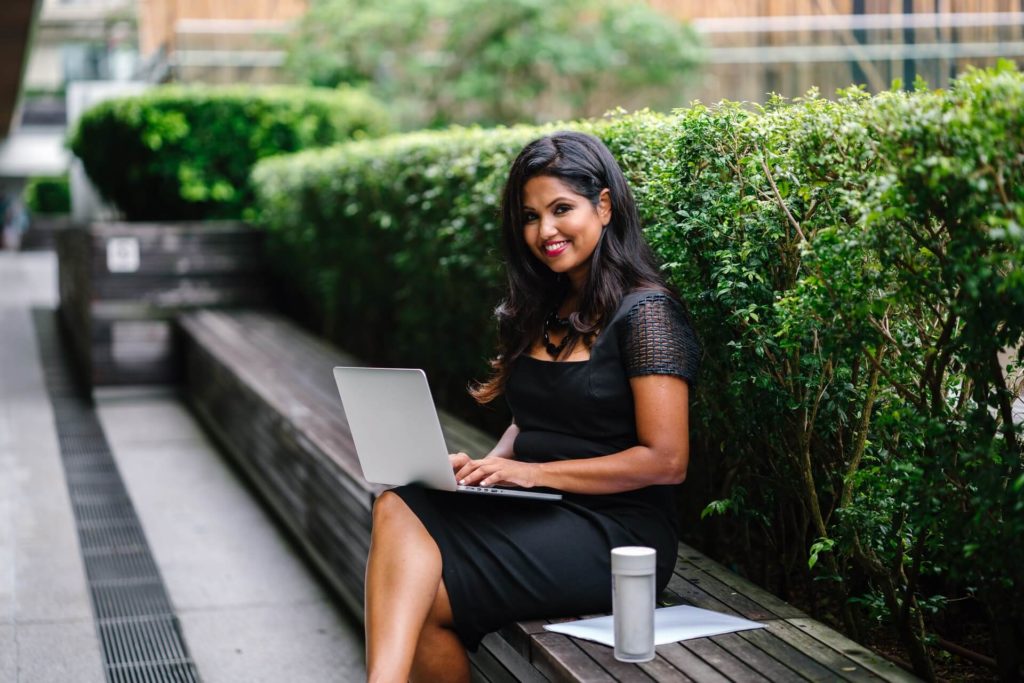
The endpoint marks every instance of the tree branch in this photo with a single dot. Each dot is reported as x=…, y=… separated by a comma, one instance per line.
x=778, y=196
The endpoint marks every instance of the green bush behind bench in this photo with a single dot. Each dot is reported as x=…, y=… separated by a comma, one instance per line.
x=185, y=152
x=48, y=195
x=854, y=267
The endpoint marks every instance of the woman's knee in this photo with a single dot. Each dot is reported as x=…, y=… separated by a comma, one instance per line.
x=389, y=508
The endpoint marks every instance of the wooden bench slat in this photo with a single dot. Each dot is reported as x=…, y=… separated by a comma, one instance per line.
x=515, y=661
x=741, y=604
x=757, y=659
x=661, y=669
x=487, y=668
x=693, y=666
x=559, y=659
x=826, y=656
x=859, y=654
x=739, y=584
x=690, y=594
x=722, y=660
x=604, y=657
x=787, y=654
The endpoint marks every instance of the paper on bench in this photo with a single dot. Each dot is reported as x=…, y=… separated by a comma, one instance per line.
x=671, y=624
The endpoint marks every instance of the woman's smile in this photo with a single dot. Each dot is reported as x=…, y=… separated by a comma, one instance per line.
x=552, y=249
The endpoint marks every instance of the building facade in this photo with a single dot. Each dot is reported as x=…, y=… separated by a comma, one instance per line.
x=755, y=47
x=217, y=41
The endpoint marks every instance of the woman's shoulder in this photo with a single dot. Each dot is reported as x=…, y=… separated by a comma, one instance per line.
x=656, y=336
x=639, y=296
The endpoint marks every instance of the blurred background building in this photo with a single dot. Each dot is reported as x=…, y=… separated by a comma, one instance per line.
x=788, y=46
x=60, y=56
x=216, y=41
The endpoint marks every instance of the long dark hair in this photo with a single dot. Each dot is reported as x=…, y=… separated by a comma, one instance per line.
x=621, y=261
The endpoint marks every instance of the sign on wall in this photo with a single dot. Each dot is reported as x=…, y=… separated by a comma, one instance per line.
x=122, y=254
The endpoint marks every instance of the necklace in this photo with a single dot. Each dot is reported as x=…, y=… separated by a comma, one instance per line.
x=555, y=350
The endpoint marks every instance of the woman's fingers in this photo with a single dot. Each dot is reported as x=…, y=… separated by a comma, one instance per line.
x=466, y=468
x=495, y=471
x=467, y=472
x=458, y=460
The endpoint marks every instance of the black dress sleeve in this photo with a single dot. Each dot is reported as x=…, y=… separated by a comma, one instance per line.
x=657, y=339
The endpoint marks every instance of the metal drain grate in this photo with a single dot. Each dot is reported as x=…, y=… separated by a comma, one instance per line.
x=139, y=632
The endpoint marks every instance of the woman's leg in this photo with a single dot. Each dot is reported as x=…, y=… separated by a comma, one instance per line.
x=402, y=576
x=440, y=655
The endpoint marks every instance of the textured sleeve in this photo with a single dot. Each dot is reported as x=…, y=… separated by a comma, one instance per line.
x=657, y=339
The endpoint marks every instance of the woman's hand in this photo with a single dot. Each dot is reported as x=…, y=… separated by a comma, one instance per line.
x=494, y=471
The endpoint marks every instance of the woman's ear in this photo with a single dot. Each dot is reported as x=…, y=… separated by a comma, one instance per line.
x=604, y=206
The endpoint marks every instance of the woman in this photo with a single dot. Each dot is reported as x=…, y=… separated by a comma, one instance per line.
x=596, y=360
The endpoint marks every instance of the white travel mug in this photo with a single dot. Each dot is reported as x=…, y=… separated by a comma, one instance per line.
x=633, y=572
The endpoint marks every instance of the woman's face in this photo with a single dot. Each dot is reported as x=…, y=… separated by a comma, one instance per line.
x=561, y=228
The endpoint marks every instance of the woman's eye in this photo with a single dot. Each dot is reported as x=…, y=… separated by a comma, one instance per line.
x=562, y=208
x=529, y=218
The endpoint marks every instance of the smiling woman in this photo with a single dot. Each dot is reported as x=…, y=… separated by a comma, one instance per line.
x=609, y=431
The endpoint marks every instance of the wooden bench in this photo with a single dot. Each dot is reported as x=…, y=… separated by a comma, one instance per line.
x=265, y=390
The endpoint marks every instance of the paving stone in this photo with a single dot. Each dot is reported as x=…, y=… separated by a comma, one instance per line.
x=8, y=653
x=7, y=542
x=59, y=652
x=148, y=418
x=28, y=279
x=201, y=521
x=271, y=644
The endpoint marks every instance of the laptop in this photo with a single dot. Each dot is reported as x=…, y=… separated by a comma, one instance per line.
x=397, y=433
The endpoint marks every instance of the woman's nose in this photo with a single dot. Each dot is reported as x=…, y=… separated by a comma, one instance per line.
x=548, y=227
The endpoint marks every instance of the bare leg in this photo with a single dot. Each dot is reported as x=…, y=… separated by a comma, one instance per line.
x=440, y=655
x=402, y=576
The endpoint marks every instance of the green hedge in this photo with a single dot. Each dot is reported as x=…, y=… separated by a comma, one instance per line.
x=854, y=268
x=186, y=152
x=48, y=195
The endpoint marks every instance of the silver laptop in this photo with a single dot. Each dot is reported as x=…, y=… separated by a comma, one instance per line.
x=397, y=434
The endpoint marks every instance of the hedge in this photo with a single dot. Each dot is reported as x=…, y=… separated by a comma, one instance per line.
x=855, y=270
x=185, y=152
x=48, y=195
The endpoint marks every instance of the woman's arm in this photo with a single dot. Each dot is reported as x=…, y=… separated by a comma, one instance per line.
x=502, y=449
x=663, y=453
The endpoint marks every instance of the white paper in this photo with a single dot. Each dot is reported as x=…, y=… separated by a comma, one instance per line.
x=671, y=624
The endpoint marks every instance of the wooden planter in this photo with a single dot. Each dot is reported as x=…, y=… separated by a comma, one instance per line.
x=43, y=230
x=121, y=285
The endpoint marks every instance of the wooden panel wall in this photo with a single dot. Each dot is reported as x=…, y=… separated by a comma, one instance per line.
x=157, y=18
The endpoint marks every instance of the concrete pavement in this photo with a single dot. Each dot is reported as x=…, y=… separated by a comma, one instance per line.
x=47, y=631
x=249, y=608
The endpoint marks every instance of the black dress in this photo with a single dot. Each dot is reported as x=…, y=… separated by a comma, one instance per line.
x=508, y=560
